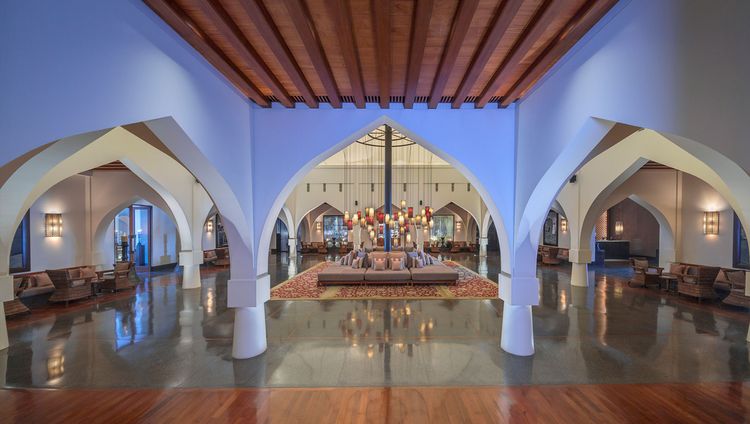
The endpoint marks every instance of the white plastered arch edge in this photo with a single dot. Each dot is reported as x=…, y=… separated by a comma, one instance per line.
x=261, y=261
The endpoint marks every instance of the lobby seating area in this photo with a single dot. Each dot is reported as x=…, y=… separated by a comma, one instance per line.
x=379, y=267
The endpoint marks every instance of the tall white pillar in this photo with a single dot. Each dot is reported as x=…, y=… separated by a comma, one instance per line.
x=191, y=272
x=249, y=332
x=292, y=247
x=518, y=294
x=6, y=293
x=579, y=273
x=483, y=246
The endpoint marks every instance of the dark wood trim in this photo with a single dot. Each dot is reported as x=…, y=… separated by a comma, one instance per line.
x=342, y=17
x=498, y=28
x=381, y=12
x=191, y=32
x=418, y=41
x=259, y=15
x=234, y=36
x=459, y=29
x=586, y=17
x=303, y=23
x=547, y=12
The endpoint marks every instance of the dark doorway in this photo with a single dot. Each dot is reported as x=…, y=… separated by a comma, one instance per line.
x=282, y=236
x=493, y=243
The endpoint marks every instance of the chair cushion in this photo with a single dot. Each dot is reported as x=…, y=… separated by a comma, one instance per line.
x=676, y=268
x=87, y=272
x=640, y=263
x=77, y=283
x=42, y=280
x=387, y=275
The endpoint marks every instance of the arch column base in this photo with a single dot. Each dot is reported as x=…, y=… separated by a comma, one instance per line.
x=249, y=332
x=579, y=275
x=191, y=272
x=518, y=331
x=483, y=247
x=292, y=248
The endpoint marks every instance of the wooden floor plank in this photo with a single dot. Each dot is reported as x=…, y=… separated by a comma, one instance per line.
x=685, y=403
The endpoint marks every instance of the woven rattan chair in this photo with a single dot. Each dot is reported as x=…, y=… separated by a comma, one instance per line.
x=643, y=274
x=69, y=285
x=698, y=282
x=118, y=278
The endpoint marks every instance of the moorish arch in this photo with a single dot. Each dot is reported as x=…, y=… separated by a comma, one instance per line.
x=312, y=162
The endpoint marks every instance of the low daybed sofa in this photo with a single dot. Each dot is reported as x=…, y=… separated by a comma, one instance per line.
x=361, y=268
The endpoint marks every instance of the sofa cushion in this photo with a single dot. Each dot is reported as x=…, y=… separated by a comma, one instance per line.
x=640, y=263
x=437, y=272
x=33, y=291
x=341, y=274
x=87, y=272
x=42, y=280
x=676, y=268
x=77, y=283
x=378, y=264
x=387, y=275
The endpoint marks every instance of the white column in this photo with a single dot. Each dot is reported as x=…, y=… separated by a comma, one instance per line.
x=191, y=273
x=483, y=246
x=518, y=294
x=6, y=293
x=292, y=248
x=249, y=332
x=579, y=273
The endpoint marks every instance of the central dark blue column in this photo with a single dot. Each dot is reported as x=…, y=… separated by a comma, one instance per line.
x=387, y=183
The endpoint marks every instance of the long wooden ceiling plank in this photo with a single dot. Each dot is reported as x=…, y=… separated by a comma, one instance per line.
x=420, y=29
x=257, y=13
x=190, y=31
x=303, y=22
x=586, y=17
x=343, y=22
x=459, y=28
x=497, y=30
x=536, y=28
x=381, y=11
x=233, y=35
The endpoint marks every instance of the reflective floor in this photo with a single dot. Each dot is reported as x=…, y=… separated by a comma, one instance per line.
x=166, y=337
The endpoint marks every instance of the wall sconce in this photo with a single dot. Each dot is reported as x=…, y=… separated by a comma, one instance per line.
x=318, y=225
x=52, y=225
x=564, y=225
x=711, y=222
x=458, y=225
x=618, y=228
x=209, y=226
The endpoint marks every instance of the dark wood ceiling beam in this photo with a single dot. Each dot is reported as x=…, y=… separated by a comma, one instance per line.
x=419, y=29
x=303, y=23
x=233, y=35
x=258, y=14
x=586, y=17
x=460, y=27
x=190, y=32
x=547, y=12
x=381, y=12
x=498, y=27
x=343, y=21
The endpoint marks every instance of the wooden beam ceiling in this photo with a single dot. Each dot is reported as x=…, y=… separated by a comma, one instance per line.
x=382, y=51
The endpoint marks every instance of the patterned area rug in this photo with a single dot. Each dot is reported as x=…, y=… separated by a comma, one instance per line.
x=304, y=286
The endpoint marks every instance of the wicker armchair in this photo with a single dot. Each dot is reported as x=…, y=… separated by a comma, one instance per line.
x=222, y=256
x=457, y=246
x=643, y=274
x=15, y=306
x=69, y=285
x=549, y=255
x=698, y=282
x=737, y=295
x=118, y=278
x=209, y=256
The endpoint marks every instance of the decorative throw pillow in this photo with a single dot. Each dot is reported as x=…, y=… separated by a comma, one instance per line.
x=42, y=280
x=396, y=264
x=379, y=264
x=676, y=268
x=87, y=272
x=419, y=263
x=357, y=263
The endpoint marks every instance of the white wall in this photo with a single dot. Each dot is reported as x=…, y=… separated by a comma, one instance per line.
x=68, y=198
x=699, y=248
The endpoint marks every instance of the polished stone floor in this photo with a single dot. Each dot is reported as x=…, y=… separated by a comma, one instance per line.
x=166, y=337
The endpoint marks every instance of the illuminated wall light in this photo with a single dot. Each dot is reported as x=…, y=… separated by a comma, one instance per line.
x=564, y=225
x=209, y=226
x=318, y=225
x=711, y=222
x=458, y=226
x=618, y=228
x=53, y=225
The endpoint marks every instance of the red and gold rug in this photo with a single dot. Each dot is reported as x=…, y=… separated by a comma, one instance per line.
x=304, y=286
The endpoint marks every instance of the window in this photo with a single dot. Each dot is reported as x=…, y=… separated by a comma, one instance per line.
x=20, y=256
x=442, y=231
x=741, y=253
x=333, y=227
x=550, y=229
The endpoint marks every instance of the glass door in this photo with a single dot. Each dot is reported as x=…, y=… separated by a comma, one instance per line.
x=133, y=236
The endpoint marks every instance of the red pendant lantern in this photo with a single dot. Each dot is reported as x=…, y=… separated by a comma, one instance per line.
x=359, y=215
x=411, y=212
x=350, y=224
x=381, y=216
